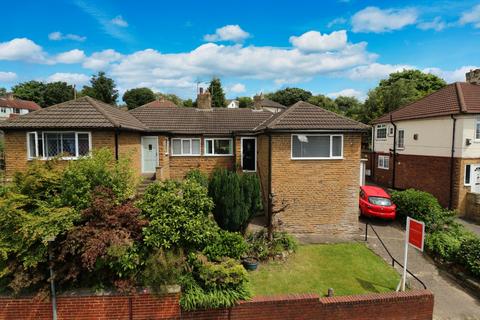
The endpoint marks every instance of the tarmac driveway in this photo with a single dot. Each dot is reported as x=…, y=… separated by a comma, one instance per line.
x=451, y=301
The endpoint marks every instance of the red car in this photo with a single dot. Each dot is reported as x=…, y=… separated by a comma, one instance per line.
x=375, y=202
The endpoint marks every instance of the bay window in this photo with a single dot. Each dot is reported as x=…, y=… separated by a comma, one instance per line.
x=218, y=147
x=316, y=146
x=48, y=144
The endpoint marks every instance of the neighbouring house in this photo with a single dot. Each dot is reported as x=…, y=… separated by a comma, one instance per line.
x=432, y=144
x=305, y=156
x=233, y=104
x=260, y=102
x=11, y=106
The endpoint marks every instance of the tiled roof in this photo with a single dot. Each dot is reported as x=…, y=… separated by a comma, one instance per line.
x=195, y=121
x=19, y=104
x=306, y=116
x=161, y=103
x=455, y=98
x=83, y=112
x=270, y=103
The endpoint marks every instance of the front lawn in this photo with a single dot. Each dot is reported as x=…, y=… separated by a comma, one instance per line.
x=347, y=268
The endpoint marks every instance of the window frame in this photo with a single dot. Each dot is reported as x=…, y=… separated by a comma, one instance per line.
x=181, y=154
x=44, y=157
x=477, y=123
x=401, y=147
x=469, y=183
x=381, y=127
x=318, y=158
x=206, y=154
x=383, y=167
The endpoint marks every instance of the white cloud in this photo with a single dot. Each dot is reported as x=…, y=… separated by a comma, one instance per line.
x=348, y=93
x=78, y=79
x=228, y=33
x=373, y=19
x=436, y=24
x=69, y=57
x=57, y=36
x=101, y=60
x=312, y=41
x=22, y=49
x=451, y=75
x=375, y=71
x=337, y=21
x=471, y=17
x=7, y=76
x=238, y=88
x=119, y=21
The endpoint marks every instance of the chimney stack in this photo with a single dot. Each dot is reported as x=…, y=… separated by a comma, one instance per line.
x=257, y=101
x=473, y=76
x=9, y=96
x=204, y=100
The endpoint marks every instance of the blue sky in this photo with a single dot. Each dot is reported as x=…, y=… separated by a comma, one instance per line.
x=328, y=47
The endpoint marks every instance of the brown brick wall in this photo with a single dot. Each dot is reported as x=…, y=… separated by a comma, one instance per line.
x=381, y=176
x=322, y=194
x=393, y=306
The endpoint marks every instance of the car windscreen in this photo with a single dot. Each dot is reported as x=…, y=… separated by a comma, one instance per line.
x=379, y=201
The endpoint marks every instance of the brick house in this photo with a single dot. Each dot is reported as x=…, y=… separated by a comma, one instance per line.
x=11, y=106
x=432, y=144
x=304, y=156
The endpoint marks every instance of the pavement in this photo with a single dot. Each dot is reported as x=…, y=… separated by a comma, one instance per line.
x=470, y=225
x=451, y=301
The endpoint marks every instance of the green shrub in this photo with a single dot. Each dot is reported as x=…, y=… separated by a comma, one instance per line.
x=198, y=176
x=469, y=255
x=178, y=214
x=226, y=244
x=445, y=244
x=237, y=198
x=262, y=248
x=414, y=203
x=164, y=268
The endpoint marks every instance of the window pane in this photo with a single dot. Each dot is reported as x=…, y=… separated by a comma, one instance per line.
x=32, y=150
x=467, y=174
x=477, y=131
x=312, y=146
x=52, y=144
x=208, y=146
x=83, y=144
x=195, y=146
x=223, y=147
x=186, y=147
x=176, y=146
x=337, y=146
x=68, y=144
x=40, y=145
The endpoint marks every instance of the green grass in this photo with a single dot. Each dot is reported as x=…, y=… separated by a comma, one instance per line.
x=347, y=268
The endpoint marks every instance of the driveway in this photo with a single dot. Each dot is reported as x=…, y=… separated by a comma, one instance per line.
x=472, y=226
x=451, y=302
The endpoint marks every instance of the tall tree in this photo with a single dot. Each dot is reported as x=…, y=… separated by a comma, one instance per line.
x=189, y=103
x=324, y=102
x=289, y=96
x=3, y=92
x=30, y=90
x=137, y=97
x=218, y=96
x=102, y=88
x=245, y=102
x=57, y=92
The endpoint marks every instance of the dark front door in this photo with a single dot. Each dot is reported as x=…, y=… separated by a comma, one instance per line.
x=249, y=154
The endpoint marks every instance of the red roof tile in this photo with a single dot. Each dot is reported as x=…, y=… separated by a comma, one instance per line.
x=19, y=104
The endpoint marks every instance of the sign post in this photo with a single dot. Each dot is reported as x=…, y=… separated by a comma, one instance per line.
x=414, y=236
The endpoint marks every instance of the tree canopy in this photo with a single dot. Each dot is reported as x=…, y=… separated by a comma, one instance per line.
x=102, y=88
x=218, y=96
x=289, y=96
x=57, y=92
x=137, y=97
x=245, y=102
x=44, y=94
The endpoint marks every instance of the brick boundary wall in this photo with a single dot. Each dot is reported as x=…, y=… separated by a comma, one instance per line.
x=416, y=304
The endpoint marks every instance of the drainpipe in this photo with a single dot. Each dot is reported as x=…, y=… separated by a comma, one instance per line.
x=234, y=145
x=452, y=162
x=373, y=162
x=117, y=132
x=394, y=152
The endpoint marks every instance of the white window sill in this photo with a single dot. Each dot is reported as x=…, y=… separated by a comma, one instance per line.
x=383, y=168
x=218, y=155
x=317, y=158
x=185, y=155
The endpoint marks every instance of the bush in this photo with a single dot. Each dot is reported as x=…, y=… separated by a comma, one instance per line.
x=469, y=255
x=414, y=203
x=214, y=284
x=261, y=248
x=198, y=176
x=237, y=198
x=226, y=244
x=446, y=243
x=164, y=268
x=178, y=214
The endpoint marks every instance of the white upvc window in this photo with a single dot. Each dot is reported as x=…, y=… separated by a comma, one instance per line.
x=383, y=162
x=218, y=147
x=381, y=132
x=316, y=146
x=401, y=139
x=477, y=129
x=185, y=147
x=69, y=145
x=468, y=173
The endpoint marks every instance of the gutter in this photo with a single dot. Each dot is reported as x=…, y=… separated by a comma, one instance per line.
x=394, y=171
x=452, y=162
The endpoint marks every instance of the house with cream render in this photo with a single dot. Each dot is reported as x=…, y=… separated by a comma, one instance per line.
x=432, y=144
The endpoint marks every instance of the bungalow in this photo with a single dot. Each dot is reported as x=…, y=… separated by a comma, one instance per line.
x=305, y=156
x=432, y=144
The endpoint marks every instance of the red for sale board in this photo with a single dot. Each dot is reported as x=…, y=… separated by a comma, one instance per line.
x=416, y=233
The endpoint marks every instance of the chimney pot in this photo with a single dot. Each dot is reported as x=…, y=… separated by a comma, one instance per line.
x=473, y=76
x=10, y=96
x=257, y=101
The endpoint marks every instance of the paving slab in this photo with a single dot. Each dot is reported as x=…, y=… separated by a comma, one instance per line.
x=451, y=300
